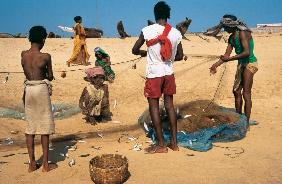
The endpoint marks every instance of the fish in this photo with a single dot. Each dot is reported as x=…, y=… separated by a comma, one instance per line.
x=100, y=135
x=6, y=78
x=96, y=147
x=115, y=103
x=137, y=147
x=187, y=116
x=71, y=162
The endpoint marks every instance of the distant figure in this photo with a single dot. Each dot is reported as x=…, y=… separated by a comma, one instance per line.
x=94, y=100
x=121, y=30
x=103, y=60
x=183, y=27
x=37, y=68
x=79, y=54
x=150, y=22
x=164, y=47
x=241, y=39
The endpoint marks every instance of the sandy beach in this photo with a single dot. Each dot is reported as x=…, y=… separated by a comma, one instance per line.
x=260, y=163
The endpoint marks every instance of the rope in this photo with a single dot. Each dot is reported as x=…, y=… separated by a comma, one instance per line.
x=237, y=151
x=127, y=61
x=216, y=91
x=9, y=72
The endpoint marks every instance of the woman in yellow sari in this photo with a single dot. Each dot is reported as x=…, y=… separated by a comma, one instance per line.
x=80, y=54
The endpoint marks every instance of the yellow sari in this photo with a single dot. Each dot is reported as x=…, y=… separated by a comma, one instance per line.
x=80, y=54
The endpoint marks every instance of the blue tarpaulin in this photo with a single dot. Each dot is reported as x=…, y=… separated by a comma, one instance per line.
x=202, y=140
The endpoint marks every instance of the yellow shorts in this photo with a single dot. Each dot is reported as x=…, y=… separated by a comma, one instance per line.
x=252, y=67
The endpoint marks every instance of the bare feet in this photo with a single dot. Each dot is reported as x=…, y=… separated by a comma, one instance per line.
x=32, y=166
x=49, y=167
x=173, y=147
x=156, y=149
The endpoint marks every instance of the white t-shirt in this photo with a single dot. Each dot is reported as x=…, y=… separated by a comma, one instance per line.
x=156, y=67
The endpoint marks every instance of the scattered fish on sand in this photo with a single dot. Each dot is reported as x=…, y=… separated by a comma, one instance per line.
x=14, y=131
x=132, y=138
x=6, y=78
x=8, y=141
x=115, y=122
x=137, y=147
x=72, y=148
x=187, y=116
x=96, y=147
x=71, y=162
x=149, y=141
x=100, y=135
x=125, y=137
x=115, y=103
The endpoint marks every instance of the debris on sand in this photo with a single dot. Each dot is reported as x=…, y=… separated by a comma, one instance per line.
x=190, y=155
x=9, y=155
x=84, y=155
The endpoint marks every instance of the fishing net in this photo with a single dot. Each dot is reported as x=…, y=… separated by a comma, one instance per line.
x=60, y=111
x=199, y=124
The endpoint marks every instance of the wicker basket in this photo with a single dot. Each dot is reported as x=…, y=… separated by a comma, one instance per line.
x=109, y=169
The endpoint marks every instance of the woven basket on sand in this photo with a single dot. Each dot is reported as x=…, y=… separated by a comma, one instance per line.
x=109, y=169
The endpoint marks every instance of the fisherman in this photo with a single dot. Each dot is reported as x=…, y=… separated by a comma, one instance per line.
x=241, y=39
x=103, y=60
x=94, y=100
x=37, y=68
x=164, y=47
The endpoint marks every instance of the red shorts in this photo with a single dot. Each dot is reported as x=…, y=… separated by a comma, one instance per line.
x=154, y=87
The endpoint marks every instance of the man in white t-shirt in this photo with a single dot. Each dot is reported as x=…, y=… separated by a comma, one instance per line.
x=164, y=47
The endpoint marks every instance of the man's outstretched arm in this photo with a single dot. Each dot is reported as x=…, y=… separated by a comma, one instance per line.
x=138, y=44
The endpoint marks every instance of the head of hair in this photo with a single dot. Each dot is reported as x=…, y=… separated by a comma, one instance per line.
x=37, y=34
x=161, y=10
x=232, y=17
x=77, y=18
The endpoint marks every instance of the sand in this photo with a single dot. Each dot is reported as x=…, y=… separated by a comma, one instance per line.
x=261, y=161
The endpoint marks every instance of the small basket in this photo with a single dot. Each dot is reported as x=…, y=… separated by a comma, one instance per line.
x=109, y=169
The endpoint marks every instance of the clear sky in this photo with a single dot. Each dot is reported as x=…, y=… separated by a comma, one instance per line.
x=17, y=16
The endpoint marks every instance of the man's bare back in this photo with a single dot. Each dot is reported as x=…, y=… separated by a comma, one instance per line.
x=36, y=65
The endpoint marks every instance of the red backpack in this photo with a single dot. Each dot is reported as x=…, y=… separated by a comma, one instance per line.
x=166, y=47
